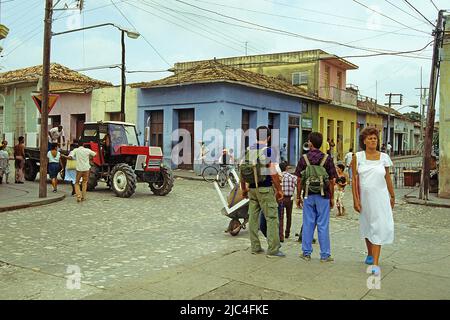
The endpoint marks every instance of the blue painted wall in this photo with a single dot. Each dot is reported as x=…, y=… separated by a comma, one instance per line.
x=216, y=105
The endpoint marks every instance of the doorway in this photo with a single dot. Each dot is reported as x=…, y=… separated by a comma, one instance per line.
x=156, y=128
x=293, y=137
x=339, y=140
x=186, y=122
x=79, y=126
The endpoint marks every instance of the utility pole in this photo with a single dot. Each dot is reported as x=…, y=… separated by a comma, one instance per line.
x=390, y=104
x=45, y=99
x=423, y=95
x=429, y=129
x=123, y=87
x=388, y=136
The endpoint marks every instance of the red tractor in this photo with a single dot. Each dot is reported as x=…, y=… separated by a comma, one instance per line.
x=121, y=162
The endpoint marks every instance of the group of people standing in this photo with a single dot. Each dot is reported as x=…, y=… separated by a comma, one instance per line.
x=77, y=173
x=320, y=186
x=19, y=161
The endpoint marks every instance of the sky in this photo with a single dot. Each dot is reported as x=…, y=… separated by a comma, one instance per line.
x=183, y=30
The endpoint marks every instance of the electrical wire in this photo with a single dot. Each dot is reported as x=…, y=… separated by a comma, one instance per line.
x=96, y=8
x=322, y=13
x=185, y=28
x=432, y=2
x=143, y=37
x=404, y=11
x=382, y=14
x=415, y=9
x=308, y=20
x=389, y=53
x=220, y=33
x=373, y=50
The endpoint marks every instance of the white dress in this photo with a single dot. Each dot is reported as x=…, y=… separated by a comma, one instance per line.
x=376, y=220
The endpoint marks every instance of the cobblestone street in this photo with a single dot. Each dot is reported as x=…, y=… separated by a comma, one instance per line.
x=118, y=241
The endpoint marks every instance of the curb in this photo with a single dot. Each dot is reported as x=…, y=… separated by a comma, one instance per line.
x=426, y=203
x=414, y=200
x=32, y=204
x=188, y=178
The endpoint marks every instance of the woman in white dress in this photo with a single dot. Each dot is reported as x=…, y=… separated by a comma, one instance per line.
x=373, y=195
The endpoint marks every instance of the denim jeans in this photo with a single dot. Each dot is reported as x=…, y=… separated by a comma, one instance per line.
x=316, y=212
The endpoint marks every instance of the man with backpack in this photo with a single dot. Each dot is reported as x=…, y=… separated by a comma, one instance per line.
x=315, y=194
x=260, y=172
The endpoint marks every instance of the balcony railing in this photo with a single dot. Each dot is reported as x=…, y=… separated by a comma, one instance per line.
x=339, y=96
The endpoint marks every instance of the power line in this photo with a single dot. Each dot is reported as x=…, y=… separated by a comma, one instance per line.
x=323, y=13
x=184, y=27
x=409, y=14
x=288, y=32
x=143, y=37
x=307, y=20
x=381, y=14
x=93, y=9
x=220, y=33
x=432, y=2
x=390, y=53
x=415, y=9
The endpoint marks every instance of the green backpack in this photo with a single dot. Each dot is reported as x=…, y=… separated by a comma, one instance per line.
x=315, y=177
x=251, y=168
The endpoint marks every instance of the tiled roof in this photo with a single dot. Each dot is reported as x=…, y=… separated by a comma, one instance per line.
x=213, y=71
x=57, y=73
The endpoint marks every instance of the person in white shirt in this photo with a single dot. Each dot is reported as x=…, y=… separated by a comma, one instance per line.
x=54, y=157
x=82, y=156
x=348, y=160
x=54, y=136
x=388, y=149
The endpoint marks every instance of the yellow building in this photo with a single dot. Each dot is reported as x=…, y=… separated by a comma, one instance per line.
x=338, y=125
x=105, y=104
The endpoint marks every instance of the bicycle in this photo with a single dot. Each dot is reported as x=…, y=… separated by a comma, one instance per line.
x=221, y=175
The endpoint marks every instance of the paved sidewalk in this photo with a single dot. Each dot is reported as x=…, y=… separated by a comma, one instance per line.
x=17, y=196
x=433, y=199
x=187, y=174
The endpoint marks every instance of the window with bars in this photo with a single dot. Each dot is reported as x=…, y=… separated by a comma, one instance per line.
x=300, y=78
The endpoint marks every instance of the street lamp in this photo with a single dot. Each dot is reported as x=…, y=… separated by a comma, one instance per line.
x=132, y=35
x=410, y=106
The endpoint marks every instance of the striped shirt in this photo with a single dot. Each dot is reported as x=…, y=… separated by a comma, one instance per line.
x=288, y=184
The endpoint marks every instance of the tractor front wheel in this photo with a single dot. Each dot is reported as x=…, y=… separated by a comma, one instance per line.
x=165, y=185
x=123, y=180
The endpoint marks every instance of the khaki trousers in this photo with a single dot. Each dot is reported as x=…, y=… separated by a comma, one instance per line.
x=81, y=195
x=263, y=199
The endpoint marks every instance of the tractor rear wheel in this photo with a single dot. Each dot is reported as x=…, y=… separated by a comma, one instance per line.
x=123, y=180
x=31, y=170
x=165, y=185
x=93, y=179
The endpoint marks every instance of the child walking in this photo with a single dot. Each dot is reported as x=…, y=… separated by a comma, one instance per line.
x=341, y=182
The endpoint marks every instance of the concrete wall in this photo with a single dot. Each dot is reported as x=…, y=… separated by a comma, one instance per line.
x=20, y=113
x=107, y=100
x=333, y=75
x=69, y=105
x=217, y=106
x=444, y=118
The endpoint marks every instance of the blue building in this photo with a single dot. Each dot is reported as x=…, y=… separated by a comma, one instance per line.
x=219, y=105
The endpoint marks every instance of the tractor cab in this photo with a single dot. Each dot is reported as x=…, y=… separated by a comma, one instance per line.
x=108, y=140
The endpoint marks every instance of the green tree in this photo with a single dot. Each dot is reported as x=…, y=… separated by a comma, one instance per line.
x=414, y=116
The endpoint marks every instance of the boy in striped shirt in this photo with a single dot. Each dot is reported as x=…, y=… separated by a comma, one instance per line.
x=288, y=184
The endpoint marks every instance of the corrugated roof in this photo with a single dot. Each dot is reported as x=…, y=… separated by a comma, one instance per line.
x=57, y=73
x=213, y=71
